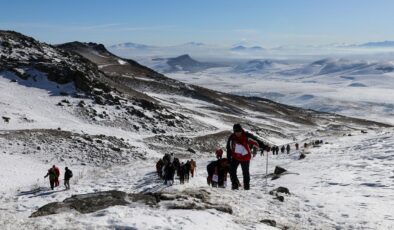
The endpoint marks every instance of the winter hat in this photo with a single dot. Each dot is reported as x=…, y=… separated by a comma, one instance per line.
x=237, y=128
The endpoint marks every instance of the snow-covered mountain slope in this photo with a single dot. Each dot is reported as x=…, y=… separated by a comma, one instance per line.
x=259, y=66
x=183, y=63
x=111, y=133
x=338, y=185
x=348, y=87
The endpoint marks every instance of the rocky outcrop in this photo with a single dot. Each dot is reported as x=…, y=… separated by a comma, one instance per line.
x=92, y=202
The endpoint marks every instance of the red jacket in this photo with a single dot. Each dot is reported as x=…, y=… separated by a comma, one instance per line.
x=239, y=148
x=57, y=171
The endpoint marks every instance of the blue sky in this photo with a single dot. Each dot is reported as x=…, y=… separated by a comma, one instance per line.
x=226, y=22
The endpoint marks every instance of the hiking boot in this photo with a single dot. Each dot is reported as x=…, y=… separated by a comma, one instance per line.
x=234, y=187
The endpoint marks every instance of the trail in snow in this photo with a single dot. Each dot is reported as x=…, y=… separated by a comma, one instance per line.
x=347, y=184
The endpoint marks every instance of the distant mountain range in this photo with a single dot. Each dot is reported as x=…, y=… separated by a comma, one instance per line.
x=378, y=44
x=245, y=49
x=181, y=63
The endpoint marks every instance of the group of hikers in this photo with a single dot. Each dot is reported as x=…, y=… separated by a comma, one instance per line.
x=275, y=149
x=169, y=165
x=54, y=174
x=241, y=146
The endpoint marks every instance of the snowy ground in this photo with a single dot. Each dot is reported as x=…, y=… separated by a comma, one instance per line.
x=346, y=184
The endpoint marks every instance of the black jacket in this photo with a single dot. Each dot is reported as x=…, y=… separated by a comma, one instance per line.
x=68, y=174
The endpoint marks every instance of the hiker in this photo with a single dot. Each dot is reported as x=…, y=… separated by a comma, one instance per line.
x=177, y=164
x=57, y=172
x=169, y=172
x=267, y=149
x=282, y=149
x=217, y=170
x=193, y=167
x=67, y=176
x=182, y=173
x=288, y=148
x=159, y=168
x=187, y=171
x=212, y=169
x=172, y=158
x=273, y=150
x=297, y=146
x=52, y=177
x=239, y=153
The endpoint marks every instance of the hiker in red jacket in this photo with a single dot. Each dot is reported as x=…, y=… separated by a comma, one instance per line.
x=239, y=151
x=57, y=172
x=52, y=177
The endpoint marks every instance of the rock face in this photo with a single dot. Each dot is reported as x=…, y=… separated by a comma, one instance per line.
x=24, y=55
x=92, y=202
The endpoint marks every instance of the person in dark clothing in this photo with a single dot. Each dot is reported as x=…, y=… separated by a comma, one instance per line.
x=282, y=149
x=67, y=176
x=182, y=173
x=288, y=148
x=239, y=153
x=169, y=173
x=217, y=170
x=297, y=146
x=273, y=150
x=52, y=177
x=277, y=150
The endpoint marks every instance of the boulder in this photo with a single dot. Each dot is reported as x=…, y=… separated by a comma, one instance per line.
x=279, y=170
x=191, y=150
x=280, y=198
x=302, y=156
x=269, y=222
x=92, y=202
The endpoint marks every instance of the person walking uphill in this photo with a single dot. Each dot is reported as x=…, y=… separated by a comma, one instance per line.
x=52, y=177
x=239, y=152
x=67, y=176
x=57, y=172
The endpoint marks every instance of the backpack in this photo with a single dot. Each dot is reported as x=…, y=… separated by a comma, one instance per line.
x=71, y=173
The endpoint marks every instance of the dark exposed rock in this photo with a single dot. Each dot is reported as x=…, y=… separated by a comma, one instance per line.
x=283, y=190
x=280, y=198
x=81, y=103
x=116, y=149
x=92, y=202
x=302, y=156
x=279, y=170
x=269, y=222
x=99, y=100
x=191, y=150
x=280, y=190
x=6, y=119
x=198, y=206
